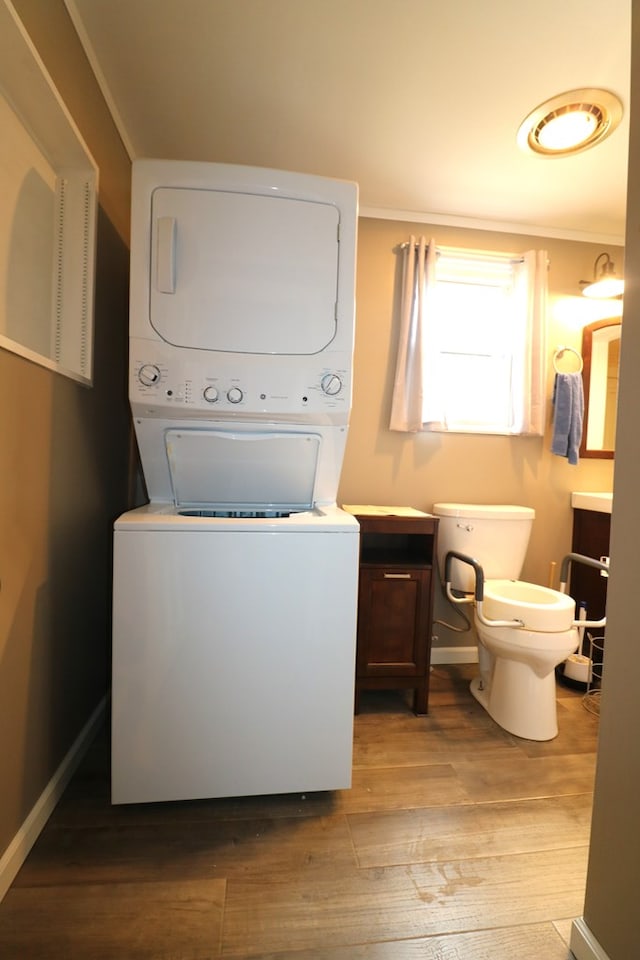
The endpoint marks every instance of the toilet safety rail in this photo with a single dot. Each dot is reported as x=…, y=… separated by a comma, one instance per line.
x=601, y=565
x=478, y=596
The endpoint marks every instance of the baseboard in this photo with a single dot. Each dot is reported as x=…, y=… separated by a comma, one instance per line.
x=454, y=655
x=583, y=944
x=18, y=850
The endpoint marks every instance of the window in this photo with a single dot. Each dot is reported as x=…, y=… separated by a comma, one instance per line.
x=475, y=340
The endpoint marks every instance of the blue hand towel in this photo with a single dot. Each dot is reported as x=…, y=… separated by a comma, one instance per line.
x=568, y=414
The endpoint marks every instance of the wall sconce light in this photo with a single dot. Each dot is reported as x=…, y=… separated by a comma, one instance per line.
x=606, y=283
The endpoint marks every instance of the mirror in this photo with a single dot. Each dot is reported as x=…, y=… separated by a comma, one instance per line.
x=601, y=359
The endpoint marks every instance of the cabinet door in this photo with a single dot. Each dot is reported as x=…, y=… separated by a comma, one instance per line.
x=392, y=622
x=590, y=538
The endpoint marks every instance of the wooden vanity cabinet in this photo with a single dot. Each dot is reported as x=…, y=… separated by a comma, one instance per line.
x=591, y=532
x=395, y=602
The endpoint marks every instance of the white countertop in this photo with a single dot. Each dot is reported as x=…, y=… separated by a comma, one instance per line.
x=601, y=502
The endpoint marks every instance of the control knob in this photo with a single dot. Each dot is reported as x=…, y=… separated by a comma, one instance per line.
x=210, y=394
x=235, y=395
x=149, y=375
x=331, y=384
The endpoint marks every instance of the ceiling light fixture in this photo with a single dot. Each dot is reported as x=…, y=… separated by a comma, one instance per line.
x=606, y=283
x=569, y=123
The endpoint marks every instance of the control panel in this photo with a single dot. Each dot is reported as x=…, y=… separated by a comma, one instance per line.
x=277, y=385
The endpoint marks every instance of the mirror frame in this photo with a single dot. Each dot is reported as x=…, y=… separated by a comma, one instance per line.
x=587, y=344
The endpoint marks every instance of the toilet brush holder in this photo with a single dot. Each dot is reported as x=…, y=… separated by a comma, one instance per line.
x=578, y=667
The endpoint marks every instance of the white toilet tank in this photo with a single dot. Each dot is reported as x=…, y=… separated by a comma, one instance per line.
x=495, y=535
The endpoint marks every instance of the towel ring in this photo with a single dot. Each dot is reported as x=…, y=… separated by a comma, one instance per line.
x=559, y=352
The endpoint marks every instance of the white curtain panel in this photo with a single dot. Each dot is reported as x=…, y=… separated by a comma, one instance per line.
x=529, y=392
x=418, y=277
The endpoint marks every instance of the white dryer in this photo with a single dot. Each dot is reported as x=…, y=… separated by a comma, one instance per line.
x=235, y=588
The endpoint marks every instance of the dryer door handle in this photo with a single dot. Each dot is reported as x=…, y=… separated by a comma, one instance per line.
x=166, y=254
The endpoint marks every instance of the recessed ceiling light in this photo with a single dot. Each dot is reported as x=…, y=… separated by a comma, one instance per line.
x=570, y=122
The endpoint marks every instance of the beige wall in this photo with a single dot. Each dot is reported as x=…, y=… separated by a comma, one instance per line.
x=63, y=478
x=387, y=467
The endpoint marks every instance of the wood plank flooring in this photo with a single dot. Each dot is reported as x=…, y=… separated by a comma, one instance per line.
x=457, y=841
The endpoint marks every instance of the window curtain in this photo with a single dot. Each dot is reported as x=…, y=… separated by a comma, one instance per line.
x=417, y=359
x=529, y=382
x=418, y=283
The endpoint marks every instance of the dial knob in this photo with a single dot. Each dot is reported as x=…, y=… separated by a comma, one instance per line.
x=149, y=375
x=331, y=384
x=210, y=394
x=234, y=395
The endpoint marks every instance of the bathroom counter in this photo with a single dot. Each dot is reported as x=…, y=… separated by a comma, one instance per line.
x=599, y=502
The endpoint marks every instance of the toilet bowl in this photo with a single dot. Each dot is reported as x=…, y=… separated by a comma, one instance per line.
x=524, y=630
x=517, y=683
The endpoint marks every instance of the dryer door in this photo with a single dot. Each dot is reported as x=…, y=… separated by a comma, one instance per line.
x=243, y=273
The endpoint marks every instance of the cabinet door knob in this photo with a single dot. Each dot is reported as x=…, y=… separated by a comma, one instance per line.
x=397, y=576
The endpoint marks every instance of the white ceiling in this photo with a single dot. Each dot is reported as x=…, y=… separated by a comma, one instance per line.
x=419, y=101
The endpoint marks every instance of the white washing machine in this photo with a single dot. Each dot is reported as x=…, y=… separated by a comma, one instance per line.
x=235, y=588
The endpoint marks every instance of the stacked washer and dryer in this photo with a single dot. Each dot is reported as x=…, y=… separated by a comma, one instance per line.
x=235, y=587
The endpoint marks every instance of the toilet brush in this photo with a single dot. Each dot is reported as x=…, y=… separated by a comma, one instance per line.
x=578, y=667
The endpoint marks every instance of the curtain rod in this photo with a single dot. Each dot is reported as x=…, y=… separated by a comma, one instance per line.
x=471, y=254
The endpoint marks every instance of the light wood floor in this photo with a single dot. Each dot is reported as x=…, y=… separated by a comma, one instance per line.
x=456, y=842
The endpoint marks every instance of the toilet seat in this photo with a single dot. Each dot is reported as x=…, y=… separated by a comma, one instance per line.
x=537, y=608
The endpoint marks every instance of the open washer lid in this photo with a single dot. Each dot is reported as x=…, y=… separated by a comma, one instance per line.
x=231, y=468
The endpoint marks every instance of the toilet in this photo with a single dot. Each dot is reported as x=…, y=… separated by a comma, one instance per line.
x=524, y=630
